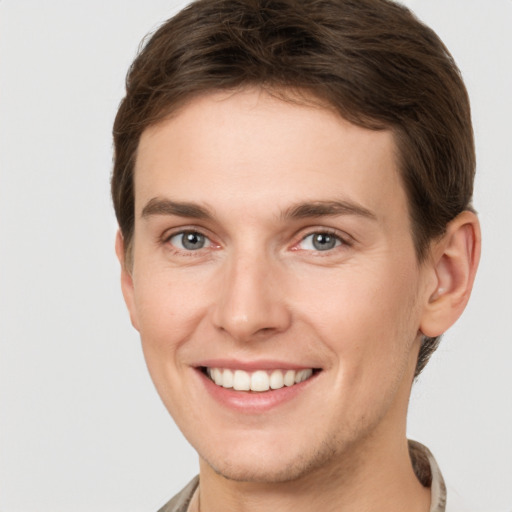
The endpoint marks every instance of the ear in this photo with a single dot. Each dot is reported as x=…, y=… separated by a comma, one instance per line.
x=454, y=262
x=126, y=280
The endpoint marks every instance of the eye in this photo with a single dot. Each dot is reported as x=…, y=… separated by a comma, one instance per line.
x=319, y=242
x=189, y=241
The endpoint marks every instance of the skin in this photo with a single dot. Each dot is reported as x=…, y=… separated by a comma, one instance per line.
x=259, y=290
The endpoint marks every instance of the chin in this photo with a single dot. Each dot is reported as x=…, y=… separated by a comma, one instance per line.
x=279, y=467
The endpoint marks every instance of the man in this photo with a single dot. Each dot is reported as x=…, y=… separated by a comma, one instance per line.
x=293, y=183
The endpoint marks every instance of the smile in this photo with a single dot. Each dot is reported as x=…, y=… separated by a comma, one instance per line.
x=258, y=381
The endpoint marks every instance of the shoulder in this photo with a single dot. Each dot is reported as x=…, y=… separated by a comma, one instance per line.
x=180, y=502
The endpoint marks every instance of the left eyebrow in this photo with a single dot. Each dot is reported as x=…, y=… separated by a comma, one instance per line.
x=162, y=206
x=327, y=209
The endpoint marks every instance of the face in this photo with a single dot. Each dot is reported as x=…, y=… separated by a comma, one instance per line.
x=274, y=283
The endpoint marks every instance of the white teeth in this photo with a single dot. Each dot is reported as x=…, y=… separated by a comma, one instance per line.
x=217, y=376
x=259, y=380
x=241, y=381
x=227, y=379
x=289, y=378
x=276, y=379
x=302, y=375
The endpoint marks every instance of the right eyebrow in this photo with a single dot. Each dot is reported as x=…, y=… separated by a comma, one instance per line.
x=161, y=206
x=328, y=209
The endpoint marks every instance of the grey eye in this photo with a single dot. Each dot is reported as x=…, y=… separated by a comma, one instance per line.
x=189, y=241
x=319, y=242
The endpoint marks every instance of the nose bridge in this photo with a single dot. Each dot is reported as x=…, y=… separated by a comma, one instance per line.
x=250, y=300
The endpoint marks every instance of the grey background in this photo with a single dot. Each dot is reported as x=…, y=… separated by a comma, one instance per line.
x=81, y=428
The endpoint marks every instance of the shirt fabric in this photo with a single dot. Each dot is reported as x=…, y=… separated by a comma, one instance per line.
x=425, y=467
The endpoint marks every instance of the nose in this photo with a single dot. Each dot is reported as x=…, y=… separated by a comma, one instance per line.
x=251, y=300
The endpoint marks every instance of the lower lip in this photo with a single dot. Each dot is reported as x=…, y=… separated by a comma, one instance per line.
x=254, y=402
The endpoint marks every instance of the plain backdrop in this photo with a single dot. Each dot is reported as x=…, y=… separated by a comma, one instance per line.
x=81, y=427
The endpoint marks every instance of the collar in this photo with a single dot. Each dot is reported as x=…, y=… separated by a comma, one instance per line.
x=429, y=474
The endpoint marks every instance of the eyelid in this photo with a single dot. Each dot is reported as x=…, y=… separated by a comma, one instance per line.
x=167, y=234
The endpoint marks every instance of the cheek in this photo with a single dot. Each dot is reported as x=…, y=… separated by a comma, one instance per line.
x=169, y=312
x=169, y=308
x=367, y=317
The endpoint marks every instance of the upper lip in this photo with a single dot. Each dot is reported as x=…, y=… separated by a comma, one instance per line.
x=250, y=366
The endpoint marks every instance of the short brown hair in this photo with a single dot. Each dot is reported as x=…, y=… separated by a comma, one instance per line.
x=371, y=60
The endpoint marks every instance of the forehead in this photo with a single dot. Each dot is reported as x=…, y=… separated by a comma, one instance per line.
x=249, y=145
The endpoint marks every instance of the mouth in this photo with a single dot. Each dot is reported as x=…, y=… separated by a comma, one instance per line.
x=258, y=381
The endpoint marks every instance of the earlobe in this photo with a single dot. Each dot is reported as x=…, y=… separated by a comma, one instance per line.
x=455, y=261
x=127, y=286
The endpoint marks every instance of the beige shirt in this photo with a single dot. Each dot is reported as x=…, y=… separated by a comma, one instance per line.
x=425, y=467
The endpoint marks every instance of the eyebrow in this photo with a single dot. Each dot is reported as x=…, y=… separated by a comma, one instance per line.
x=159, y=206
x=307, y=209
x=326, y=209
